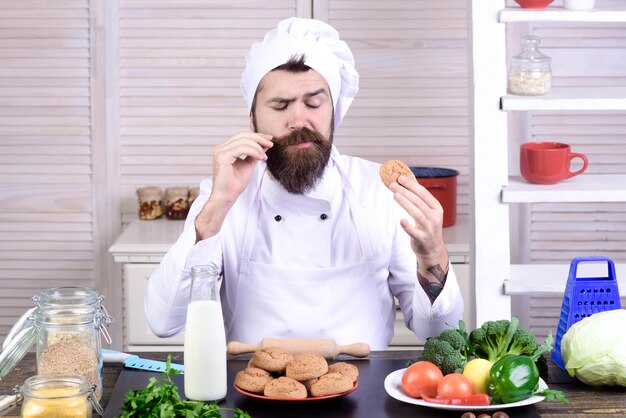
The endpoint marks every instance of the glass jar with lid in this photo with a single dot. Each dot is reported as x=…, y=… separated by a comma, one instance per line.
x=67, y=340
x=60, y=396
x=176, y=202
x=76, y=296
x=150, y=202
x=530, y=72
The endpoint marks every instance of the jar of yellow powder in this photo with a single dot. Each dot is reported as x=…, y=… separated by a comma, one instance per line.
x=61, y=396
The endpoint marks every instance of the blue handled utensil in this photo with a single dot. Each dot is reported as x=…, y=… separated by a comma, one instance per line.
x=135, y=362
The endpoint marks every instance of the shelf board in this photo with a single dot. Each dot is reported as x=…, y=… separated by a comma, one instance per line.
x=559, y=14
x=547, y=279
x=582, y=188
x=570, y=98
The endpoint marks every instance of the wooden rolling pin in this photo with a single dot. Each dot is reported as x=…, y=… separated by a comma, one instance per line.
x=326, y=347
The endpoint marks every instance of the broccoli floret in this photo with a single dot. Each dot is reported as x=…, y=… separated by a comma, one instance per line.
x=443, y=355
x=449, y=350
x=524, y=343
x=492, y=339
x=496, y=339
x=456, y=340
x=454, y=362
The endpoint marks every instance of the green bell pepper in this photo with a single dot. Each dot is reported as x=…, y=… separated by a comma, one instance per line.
x=513, y=378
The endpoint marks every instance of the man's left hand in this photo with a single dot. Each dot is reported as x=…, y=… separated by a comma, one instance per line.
x=425, y=230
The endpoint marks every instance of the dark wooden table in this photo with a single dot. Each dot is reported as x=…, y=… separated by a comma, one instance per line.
x=369, y=400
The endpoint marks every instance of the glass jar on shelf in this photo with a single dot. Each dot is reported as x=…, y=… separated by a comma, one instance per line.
x=530, y=72
x=176, y=202
x=150, y=202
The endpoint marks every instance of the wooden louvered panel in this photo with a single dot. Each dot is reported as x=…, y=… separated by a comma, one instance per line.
x=412, y=102
x=46, y=218
x=180, y=64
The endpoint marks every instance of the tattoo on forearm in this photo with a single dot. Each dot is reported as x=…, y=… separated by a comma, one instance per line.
x=435, y=283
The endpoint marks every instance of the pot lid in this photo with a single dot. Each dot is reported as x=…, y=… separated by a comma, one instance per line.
x=18, y=342
x=433, y=172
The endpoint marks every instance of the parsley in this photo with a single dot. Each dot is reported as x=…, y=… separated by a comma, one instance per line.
x=553, y=395
x=160, y=399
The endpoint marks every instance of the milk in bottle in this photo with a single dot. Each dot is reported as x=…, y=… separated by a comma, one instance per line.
x=205, y=338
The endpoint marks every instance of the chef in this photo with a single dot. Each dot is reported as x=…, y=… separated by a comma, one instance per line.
x=310, y=242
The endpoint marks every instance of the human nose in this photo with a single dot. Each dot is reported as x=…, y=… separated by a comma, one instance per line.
x=297, y=118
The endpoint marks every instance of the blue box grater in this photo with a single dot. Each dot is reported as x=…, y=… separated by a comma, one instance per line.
x=583, y=297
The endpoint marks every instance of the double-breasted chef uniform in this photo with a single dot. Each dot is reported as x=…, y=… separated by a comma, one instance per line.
x=326, y=264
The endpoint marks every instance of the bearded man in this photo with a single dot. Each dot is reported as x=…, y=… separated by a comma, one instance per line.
x=310, y=242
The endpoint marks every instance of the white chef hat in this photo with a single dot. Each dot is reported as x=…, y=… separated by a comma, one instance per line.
x=323, y=51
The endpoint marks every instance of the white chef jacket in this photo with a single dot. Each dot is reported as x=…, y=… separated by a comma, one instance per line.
x=285, y=260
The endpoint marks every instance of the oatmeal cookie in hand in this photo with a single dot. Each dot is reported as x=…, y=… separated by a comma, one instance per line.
x=392, y=169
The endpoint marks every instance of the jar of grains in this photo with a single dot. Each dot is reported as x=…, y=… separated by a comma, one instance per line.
x=530, y=71
x=194, y=192
x=68, y=341
x=176, y=202
x=150, y=202
x=61, y=396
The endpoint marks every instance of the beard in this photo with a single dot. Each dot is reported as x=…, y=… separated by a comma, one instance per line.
x=299, y=169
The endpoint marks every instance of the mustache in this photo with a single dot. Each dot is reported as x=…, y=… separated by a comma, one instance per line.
x=300, y=136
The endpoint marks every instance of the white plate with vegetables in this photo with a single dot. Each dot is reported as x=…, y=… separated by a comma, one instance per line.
x=393, y=386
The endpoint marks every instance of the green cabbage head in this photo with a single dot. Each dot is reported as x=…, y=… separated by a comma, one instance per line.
x=594, y=349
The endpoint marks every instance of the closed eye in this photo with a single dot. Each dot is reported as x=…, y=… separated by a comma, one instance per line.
x=280, y=105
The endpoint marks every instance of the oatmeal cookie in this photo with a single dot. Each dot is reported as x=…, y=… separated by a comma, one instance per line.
x=306, y=366
x=253, y=379
x=272, y=359
x=285, y=388
x=331, y=384
x=346, y=369
x=392, y=169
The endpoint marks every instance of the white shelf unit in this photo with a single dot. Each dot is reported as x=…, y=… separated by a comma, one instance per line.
x=491, y=188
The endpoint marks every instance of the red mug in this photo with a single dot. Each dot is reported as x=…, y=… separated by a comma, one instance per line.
x=548, y=162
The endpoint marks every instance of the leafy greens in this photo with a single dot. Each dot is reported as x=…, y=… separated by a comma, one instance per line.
x=160, y=399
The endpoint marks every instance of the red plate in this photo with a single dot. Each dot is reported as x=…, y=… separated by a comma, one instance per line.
x=319, y=398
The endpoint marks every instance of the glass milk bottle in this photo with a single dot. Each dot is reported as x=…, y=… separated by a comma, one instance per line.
x=205, y=338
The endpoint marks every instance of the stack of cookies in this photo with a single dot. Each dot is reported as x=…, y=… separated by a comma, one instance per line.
x=276, y=373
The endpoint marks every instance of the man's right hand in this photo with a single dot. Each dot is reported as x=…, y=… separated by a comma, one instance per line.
x=233, y=165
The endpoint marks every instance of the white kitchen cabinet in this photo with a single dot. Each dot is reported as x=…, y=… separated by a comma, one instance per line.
x=139, y=249
x=137, y=335
x=492, y=189
x=143, y=243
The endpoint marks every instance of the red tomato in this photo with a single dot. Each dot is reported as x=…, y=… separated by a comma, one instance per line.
x=421, y=378
x=454, y=385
